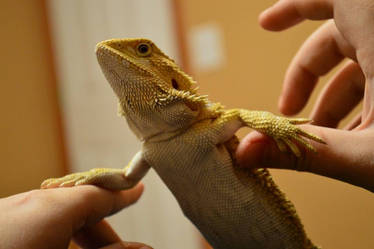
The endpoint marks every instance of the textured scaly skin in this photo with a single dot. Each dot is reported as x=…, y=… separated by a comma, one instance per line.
x=190, y=142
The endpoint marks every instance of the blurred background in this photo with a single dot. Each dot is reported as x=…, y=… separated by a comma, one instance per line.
x=58, y=114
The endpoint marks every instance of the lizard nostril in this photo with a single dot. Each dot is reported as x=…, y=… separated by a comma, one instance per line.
x=175, y=84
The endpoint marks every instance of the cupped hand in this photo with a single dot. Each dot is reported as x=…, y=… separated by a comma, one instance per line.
x=50, y=218
x=348, y=155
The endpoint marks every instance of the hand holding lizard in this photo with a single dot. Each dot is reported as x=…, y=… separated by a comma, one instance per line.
x=51, y=218
x=349, y=156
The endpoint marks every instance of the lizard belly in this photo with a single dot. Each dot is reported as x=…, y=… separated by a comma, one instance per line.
x=227, y=204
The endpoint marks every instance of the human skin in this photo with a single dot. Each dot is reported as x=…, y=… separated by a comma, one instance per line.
x=51, y=218
x=348, y=155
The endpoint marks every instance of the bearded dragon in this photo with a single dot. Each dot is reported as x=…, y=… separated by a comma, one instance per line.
x=190, y=142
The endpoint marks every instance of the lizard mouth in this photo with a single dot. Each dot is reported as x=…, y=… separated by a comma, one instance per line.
x=106, y=48
x=111, y=49
x=102, y=48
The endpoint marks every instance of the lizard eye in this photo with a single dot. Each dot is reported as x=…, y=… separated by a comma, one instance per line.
x=143, y=49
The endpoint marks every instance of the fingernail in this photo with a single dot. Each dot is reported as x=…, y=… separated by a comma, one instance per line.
x=264, y=12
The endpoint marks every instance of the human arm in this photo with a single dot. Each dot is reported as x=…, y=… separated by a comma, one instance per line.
x=51, y=218
x=348, y=156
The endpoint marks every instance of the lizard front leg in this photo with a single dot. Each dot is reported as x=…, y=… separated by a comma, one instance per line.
x=283, y=130
x=112, y=179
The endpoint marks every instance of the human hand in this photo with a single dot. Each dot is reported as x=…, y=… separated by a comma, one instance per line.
x=348, y=155
x=50, y=218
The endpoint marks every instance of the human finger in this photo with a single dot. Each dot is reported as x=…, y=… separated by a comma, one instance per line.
x=355, y=122
x=340, y=96
x=127, y=245
x=321, y=52
x=286, y=13
x=94, y=232
x=58, y=214
x=98, y=203
x=95, y=236
x=75, y=208
x=102, y=235
x=346, y=157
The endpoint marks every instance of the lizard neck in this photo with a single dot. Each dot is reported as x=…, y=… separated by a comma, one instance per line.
x=209, y=111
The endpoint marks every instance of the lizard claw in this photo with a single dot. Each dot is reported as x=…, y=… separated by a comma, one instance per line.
x=291, y=134
x=299, y=120
x=113, y=179
x=287, y=134
x=283, y=130
x=284, y=144
x=66, y=181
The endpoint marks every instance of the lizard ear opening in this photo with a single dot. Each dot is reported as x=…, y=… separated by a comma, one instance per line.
x=175, y=84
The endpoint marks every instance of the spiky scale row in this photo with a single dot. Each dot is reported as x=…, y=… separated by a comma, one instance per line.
x=181, y=96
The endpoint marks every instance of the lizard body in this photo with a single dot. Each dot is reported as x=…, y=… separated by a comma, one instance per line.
x=190, y=142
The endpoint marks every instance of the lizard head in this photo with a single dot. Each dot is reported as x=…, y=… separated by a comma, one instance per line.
x=154, y=94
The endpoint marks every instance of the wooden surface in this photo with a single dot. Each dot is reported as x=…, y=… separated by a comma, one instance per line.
x=335, y=214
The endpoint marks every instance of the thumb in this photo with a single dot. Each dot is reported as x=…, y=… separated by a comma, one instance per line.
x=347, y=155
x=127, y=245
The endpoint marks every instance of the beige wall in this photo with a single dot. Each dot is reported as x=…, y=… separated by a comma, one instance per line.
x=96, y=136
x=336, y=215
x=30, y=144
